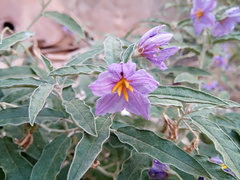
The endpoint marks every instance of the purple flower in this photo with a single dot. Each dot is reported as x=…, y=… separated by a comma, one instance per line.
x=201, y=14
x=121, y=86
x=221, y=61
x=201, y=178
x=150, y=46
x=158, y=171
x=227, y=24
x=217, y=160
x=210, y=86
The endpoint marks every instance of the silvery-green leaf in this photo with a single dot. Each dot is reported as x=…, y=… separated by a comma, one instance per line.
x=112, y=50
x=186, y=77
x=20, y=82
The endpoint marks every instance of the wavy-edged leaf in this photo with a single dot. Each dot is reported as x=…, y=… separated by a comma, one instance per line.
x=16, y=72
x=126, y=55
x=42, y=74
x=134, y=166
x=186, y=77
x=185, y=94
x=51, y=159
x=164, y=102
x=88, y=149
x=213, y=169
x=112, y=50
x=18, y=116
x=222, y=142
x=81, y=58
x=14, y=165
x=65, y=20
x=13, y=39
x=165, y=151
x=16, y=96
x=191, y=70
x=227, y=38
x=47, y=63
x=77, y=70
x=37, y=100
x=82, y=115
x=20, y=82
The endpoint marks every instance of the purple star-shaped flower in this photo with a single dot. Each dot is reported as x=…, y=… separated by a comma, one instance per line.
x=201, y=14
x=210, y=86
x=121, y=86
x=150, y=46
x=227, y=24
x=158, y=171
x=221, y=61
x=217, y=160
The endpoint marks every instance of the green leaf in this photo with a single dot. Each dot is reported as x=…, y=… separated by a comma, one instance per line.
x=88, y=149
x=164, y=102
x=165, y=151
x=20, y=82
x=65, y=20
x=47, y=63
x=213, y=169
x=134, y=166
x=18, y=116
x=68, y=93
x=82, y=115
x=37, y=100
x=187, y=95
x=112, y=50
x=191, y=47
x=227, y=38
x=16, y=72
x=42, y=74
x=186, y=77
x=15, y=38
x=81, y=58
x=51, y=159
x=223, y=143
x=184, y=69
x=19, y=95
x=13, y=164
x=126, y=55
x=77, y=70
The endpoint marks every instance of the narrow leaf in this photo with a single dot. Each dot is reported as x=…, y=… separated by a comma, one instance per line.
x=222, y=142
x=47, y=63
x=16, y=96
x=77, y=70
x=13, y=164
x=134, y=166
x=18, y=116
x=81, y=58
x=37, y=100
x=16, y=72
x=185, y=94
x=19, y=82
x=82, y=115
x=165, y=151
x=15, y=38
x=164, y=102
x=112, y=50
x=227, y=38
x=191, y=70
x=88, y=149
x=128, y=52
x=186, y=77
x=51, y=159
x=65, y=20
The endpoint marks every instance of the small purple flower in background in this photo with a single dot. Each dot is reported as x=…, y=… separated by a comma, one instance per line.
x=201, y=178
x=217, y=160
x=158, y=171
x=150, y=46
x=226, y=25
x=221, y=61
x=201, y=14
x=210, y=86
x=121, y=86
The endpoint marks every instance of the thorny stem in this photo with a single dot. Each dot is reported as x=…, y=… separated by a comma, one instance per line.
x=44, y=5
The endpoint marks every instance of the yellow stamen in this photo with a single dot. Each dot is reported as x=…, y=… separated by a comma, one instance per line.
x=199, y=13
x=122, y=86
x=224, y=166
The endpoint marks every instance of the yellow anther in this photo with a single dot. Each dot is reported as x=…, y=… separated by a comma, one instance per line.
x=224, y=166
x=199, y=13
x=117, y=85
x=122, y=87
x=126, y=83
x=125, y=94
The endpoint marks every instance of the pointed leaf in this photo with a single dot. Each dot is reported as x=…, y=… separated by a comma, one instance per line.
x=47, y=63
x=13, y=164
x=128, y=52
x=80, y=58
x=227, y=38
x=165, y=151
x=222, y=142
x=37, y=100
x=82, y=115
x=112, y=50
x=165, y=102
x=15, y=38
x=18, y=116
x=191, y=70
x=134, y=166
x=16, y=96
x=185, y=94
x=51, y=159
x=77, y=70
x=19, y=82
x=186, y=77
x=65, y=20
x=16, y=72
x=88, y=149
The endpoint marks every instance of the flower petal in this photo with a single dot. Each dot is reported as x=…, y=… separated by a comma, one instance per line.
x=128, y=69
x=138, y=104
x=150, y=33
x=109, y=103
x=143, y=82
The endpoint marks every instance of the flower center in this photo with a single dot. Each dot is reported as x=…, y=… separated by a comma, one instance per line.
x=199, y=13
x=121, y=87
